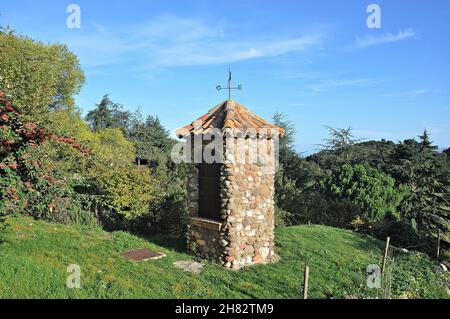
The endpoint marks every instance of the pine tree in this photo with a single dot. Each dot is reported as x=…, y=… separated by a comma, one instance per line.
x=417, y=165
x=287, y=140
x=100, y=117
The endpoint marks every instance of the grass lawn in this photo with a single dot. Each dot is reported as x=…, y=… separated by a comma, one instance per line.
x=35, y=256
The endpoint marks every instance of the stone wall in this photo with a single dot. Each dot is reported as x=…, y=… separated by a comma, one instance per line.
x=245, y=235
x=204, y=238
x=248, y=193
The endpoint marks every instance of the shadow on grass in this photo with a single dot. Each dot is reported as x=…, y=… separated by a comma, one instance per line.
x=113, y=224
x=175, y=244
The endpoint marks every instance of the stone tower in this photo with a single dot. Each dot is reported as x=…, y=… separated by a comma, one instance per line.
x=231, y=204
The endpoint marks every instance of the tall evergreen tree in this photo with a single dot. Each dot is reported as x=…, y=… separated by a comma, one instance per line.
x=447, y=152
x=416, y=164
x=108, y=114
x=100, y=117
x=151, y=139
x=426, y=144
x=287, y=140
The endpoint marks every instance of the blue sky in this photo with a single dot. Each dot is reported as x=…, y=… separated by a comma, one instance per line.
x=315, y=61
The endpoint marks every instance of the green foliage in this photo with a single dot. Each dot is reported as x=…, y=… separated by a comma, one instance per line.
x=119, y=184
x=144, y=198
x=447, y=152
x=339, y=139
x=338, y=144
x=420, y=173
x=373, y=153
x=130, y=191
x=295, y=207
x=110, y=176
x=417, y=279
x=38, y=77
x=108, y=114
x=287, y=140
x=369, y=189
x=426, y=173
x=152, y=141
x=153, y=146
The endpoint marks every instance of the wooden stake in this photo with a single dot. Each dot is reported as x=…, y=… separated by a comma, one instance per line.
x=438, y=252
x=385, y=254
x=305, y=286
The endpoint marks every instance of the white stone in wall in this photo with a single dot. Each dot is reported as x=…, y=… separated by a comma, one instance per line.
x=251, y=233
x=264, y=252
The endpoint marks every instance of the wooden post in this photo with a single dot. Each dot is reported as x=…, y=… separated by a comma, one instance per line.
x=386, y=249
x=438, y=252
x=305, y=285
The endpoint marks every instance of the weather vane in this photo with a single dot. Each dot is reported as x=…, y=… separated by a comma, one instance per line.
x=229, y=87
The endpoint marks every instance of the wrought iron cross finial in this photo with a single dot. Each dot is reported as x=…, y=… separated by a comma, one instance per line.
x=229, y=87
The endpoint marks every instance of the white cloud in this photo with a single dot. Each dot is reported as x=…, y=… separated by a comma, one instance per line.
x=335, y=83
x=226, y=51
x=370, y=40
x=413, y=93
x=168, y=41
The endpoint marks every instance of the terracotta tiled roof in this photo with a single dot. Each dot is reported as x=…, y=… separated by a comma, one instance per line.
x=228, y=115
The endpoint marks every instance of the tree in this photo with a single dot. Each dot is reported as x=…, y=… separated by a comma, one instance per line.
x=100, y=117
x=108, y=114
x=425, y=144
x=287, y=140
x=119, y=118
x=339, y=139
x=447, y=152
x=38, y=77
x=370, y=190
x=295, y=180
x=149, y=136
x=419, y=166
x=287, y=155
x=339, y=145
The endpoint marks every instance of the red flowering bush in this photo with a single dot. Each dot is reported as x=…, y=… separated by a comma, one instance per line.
x=24, y=180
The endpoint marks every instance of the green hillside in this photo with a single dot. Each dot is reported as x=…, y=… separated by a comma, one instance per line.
x=35, y=256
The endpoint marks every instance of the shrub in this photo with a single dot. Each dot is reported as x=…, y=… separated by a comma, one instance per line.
x=106, y=184
x=112, y=178
x=27, y=184
x=368, y=189
x=295, y=206
x=129, y=191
